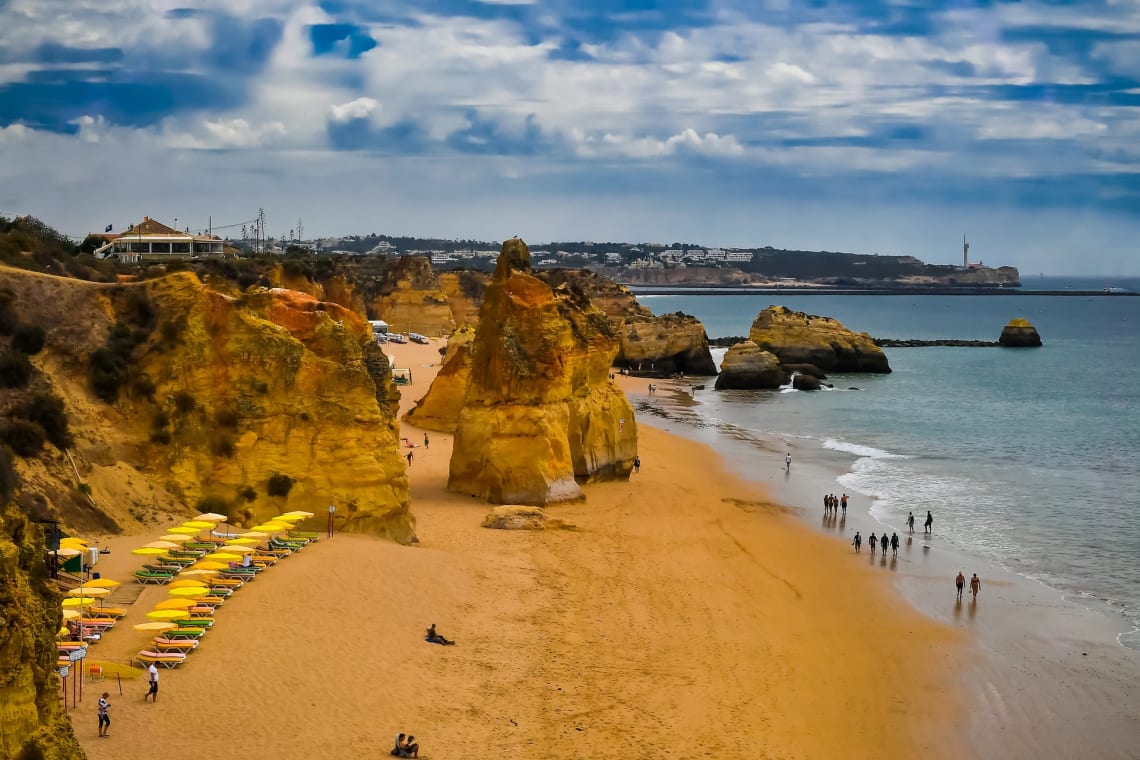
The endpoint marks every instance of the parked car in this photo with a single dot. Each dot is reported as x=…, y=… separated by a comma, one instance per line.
x=417, y=338
x=397, y=338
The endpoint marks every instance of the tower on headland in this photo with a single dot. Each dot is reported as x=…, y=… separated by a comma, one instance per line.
x=965, y=253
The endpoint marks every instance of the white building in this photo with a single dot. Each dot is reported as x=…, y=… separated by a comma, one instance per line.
x=154, y=241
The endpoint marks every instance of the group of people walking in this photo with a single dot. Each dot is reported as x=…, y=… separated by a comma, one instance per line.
x=975, y=584
x=833, y=503
x=875, y=542
x=927, y=527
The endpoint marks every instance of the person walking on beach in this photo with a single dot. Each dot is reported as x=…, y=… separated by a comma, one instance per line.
x=788, y=462
x=104, y=716
x=425, y=440
x=960, y=583
x=975, y=585
x=826, y=504
x=637, y=463
x=910, y=521
x=152, y=677
x=872, y=541
x=894, y=544
x=843, y=503
x=928, y=526
x=409, y=458
x=857, y=541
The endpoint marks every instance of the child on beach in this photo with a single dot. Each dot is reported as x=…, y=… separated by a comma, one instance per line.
x=104, y=717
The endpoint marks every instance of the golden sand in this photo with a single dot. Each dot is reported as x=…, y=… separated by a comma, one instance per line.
x=684, y=616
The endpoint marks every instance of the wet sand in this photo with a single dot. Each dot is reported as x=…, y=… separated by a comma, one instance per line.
x=685, y=615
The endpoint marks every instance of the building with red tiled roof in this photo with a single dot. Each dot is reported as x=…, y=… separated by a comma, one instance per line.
x=151, y=240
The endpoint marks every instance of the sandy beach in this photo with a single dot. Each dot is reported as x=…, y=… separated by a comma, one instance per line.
x=685, y=615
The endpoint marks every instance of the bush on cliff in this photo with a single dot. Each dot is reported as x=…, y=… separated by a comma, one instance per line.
x=25, y=438
x=29, y=339
x=8, y=321
x=109, y=367
x=47, y=411
x=15, y=370
x=279, y=485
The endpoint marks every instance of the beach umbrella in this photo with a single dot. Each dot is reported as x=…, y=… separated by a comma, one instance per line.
x=174, y=604
x=212, y=517
x=205, y=565
x=166, y=614
x=72, y=614
x=184, y=530
x=228, y=549
x=67, y=551
x=95, y=592
x=188, y=591
x=273, y=527
x=241, y=541
x=199, y=524
x=185, y=582
x=99, y=583
x=73, y=543
x=161, y=545
x=78, y=601
x=254, y=534
x=221, y=557
x=148, y=551
x=295, y=516
x=154, y=626
x=175, y=538
x=197, y=573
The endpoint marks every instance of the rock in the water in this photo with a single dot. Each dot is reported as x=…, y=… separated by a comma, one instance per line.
x=805, y=383
x=665, y=345
x=540, y=413
x=518, y=517
x=1019, y=333
x=747, y=366
x=805, y=369
x=798, y=338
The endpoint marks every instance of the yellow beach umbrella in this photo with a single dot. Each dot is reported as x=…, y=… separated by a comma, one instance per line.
x=166, y=614
x=296, y=515
x=95, y=592
x=155, y=626
x=99, y=583
x=78, y=601
x=212, y=517
x=241, y=542
x=198, y=574
x=221, y=557
x=186, y=582
x=73, y=540
x=161, y=545
x=228, y=549
x=203, y=565
x=199, y=524
x=148, y=551
x=175, y=538
x=184, y=530
x=174, y=604
x=254, y=534
x=67, y=551
x=272, y=527
x=188, y=591
x=71, y=614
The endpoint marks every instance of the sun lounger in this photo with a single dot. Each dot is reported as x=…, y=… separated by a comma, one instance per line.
x=189, y=622
x=184, y=646
x=161, y=568
x=101, y=624
x=186, y=633
x=164, y=659
x=230, y=583
x=168, y=559
x=152, y=577
x=186, y=553
x=106, y=612
x=308, y=536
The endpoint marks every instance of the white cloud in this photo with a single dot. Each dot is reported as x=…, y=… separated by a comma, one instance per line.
x=354, y=109
x=686, y=141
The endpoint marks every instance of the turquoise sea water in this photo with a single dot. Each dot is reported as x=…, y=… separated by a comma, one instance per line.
x=1029, y=458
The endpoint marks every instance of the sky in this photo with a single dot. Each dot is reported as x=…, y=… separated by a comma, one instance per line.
x=854, y=125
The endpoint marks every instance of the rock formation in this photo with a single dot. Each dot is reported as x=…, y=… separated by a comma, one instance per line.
x=411, y=298
x=796, y=337
x=540, y=414
x=1019, y=333
x=440, y=407
x=747, y=366
x=254, y=404
x=32, y=721
x=515, y=517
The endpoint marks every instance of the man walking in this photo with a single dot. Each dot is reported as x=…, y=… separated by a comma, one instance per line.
x=788, y=462
x=960, y=583
x=152, y=676
x=104, y=716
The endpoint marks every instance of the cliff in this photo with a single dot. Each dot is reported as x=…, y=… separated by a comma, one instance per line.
x=183, y=397
x=440, y=407
x=411, y=298
x=796, y=337
x=32, y=721
x=540, y=414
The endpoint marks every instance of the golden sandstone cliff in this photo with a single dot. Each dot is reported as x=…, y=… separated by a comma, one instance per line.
x=799, y=338
x=540, y=414
x=183, y=397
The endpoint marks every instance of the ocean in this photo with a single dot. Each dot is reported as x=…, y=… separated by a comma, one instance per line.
x=1029, y=458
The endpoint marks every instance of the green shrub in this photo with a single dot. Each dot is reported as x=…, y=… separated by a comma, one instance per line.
x=279, y=485
x=160, y=436
x=8, y=321
x=143, y=386
x=109, y=366
x=47, y=411
x=184, y=402
x=25, y=438
x=226, y=418
x=29, y=339
x=8, y=478
x=15, y=370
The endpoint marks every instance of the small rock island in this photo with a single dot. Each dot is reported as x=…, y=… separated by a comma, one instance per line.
x=1019, y=333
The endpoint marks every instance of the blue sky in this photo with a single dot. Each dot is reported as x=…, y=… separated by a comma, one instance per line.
x=864, y=126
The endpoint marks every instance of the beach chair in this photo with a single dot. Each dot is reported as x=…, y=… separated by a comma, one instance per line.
x=186, y=553
x=168, y=559
x=163, y=568
x=99, y=624
x=308, y=536
x=236, y=573
x=162, y=659
x=185, y=633
x=189, y=622
x=184, y=646
x=231, y=583
x=153, y=577
x=106, y=612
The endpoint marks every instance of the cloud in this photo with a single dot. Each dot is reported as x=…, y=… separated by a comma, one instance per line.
x=686, y=141
x=354, y=109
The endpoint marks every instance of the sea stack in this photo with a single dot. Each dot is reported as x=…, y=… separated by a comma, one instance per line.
x=540, y=414
x=1019, y=333
x=747, y=366
x=799, y=338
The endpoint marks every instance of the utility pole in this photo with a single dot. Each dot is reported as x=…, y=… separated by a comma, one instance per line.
x=300, y=231
x=965, y=253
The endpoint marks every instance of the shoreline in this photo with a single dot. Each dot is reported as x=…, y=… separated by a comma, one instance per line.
x=718, y=290
x=685, y=606
x=1042, y=652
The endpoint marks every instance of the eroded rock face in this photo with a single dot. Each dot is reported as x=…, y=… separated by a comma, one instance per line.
x=1019, y=333
x=440, y=407
x=411, y=298
x=540, y=414
x=516, y=517
x=747, y=366
x=30, y=710
x=799, y=338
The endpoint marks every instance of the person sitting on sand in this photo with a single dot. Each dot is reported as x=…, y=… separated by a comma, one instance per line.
x=411, y=748
x=436, y=638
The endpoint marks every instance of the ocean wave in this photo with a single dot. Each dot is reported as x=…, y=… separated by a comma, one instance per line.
x=859, y=450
